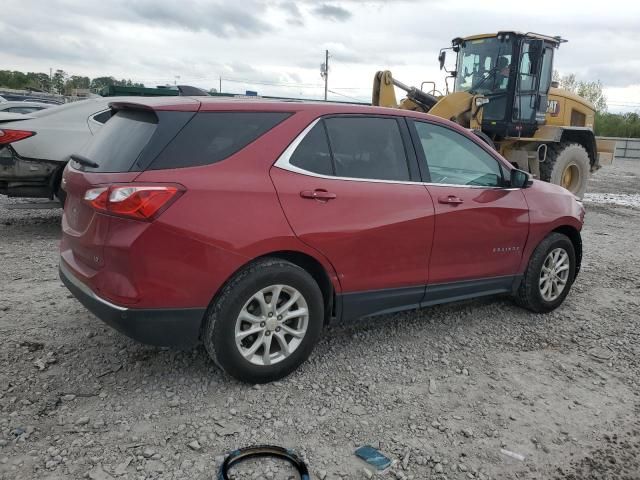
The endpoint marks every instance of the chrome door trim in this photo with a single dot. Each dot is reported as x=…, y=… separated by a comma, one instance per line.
x=283, y=162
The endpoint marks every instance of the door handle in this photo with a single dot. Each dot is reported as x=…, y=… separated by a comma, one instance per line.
x=451, y=200
x=318, y=194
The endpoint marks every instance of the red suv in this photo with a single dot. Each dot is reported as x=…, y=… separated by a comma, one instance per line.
x=250, y=224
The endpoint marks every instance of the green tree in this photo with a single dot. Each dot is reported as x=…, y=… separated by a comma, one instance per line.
x=77, y=81
x=38, y=81
x=626, y=125
x=590, y=91
x=59, y=80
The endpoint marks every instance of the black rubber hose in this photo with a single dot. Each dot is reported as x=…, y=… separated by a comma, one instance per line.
x=243, y=454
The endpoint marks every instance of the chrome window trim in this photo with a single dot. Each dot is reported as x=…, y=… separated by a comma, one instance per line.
x=283, y=162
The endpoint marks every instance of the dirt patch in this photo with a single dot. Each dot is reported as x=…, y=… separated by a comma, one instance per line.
x=443, y=391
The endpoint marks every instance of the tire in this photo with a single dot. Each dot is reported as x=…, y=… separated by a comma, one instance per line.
x=240, y=295
x=530, y=293
x=567, y=156
x=61, y=195
x=58, y=191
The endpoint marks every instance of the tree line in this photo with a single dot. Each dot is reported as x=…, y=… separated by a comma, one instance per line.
x=606, y=124
x=626, y=125
x=59, y=82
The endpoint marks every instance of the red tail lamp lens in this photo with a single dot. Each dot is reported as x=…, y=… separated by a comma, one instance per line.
x=141, y=202
x=10, y=136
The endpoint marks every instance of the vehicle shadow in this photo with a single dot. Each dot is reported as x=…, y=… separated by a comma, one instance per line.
x=39, y=225
x=431, y=326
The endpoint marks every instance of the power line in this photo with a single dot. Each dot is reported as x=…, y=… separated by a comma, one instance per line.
x=346, y=96
x=351, y=88
x=275, y=84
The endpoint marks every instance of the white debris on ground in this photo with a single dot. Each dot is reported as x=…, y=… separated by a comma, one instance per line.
x=622, y=199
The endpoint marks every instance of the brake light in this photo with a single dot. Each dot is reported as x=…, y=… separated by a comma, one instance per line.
x=10, y=136
x=141, y=202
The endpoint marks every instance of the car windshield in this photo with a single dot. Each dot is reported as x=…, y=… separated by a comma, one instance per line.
x=484, y=65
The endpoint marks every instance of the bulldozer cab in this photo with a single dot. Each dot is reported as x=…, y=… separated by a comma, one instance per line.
x=513, y=72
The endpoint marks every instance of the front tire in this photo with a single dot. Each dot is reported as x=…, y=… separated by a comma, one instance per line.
x=265, y=322
x=549, y=275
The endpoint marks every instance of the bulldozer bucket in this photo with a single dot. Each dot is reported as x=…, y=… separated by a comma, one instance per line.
x=606, y=151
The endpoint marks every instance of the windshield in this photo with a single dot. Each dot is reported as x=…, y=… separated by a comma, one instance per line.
x=484, y=65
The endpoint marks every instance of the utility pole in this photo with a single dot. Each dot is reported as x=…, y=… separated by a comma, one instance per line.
x=324, y=73
x=220, y=89
x=50, y=79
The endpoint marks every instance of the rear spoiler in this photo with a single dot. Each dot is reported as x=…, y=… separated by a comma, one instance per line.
x=183, y=104
x=14, y=117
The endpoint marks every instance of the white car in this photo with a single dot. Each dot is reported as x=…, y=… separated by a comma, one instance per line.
x=35, y=147
x=23, y=107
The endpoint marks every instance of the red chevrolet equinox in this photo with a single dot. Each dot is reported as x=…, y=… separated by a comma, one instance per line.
x=248, y=225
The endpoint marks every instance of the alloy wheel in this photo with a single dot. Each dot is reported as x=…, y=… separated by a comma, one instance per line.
x=271, y=325
x=554, y=274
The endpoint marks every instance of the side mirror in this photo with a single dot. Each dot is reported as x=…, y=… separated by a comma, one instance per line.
x=520, y=179
x=441, y=58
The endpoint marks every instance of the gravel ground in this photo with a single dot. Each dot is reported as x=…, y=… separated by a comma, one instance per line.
x=479, y=389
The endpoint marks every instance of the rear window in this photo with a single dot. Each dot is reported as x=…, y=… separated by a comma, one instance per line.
x=121, y=140
x=213, y=136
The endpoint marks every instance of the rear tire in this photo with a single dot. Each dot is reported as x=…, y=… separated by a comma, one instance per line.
x=283, y=336
x=552, y=262
x=61, y=195
x=567, y=165
x=58, y=191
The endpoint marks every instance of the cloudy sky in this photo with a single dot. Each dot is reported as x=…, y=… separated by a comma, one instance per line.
x=276, y=46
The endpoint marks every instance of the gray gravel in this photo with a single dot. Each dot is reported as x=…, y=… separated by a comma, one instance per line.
x=480, y=389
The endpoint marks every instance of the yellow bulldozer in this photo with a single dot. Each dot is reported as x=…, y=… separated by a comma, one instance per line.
x=503, y=91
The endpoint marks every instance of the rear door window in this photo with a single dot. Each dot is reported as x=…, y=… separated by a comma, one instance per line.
x=367, y=148
x=213, y=136
x=313, y=154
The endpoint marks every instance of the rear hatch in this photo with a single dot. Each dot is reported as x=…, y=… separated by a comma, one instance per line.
x=125, y=178
x=125, y=145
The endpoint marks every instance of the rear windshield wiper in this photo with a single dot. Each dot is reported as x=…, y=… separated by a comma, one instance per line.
x=82, y=160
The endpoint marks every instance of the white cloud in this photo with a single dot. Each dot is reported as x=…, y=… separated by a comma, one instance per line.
x=283, y=41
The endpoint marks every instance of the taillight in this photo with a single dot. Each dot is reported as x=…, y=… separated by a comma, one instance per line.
x=10, y=136
x=97, y=197
x=141, y=202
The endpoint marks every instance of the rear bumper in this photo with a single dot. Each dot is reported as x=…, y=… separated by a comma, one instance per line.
x=160, y=327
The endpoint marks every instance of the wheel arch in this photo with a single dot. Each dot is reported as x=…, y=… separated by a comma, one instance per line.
x=584, y=137
x=307, y=262
x=312, y=266
x=576, y=240
x=55, y=180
